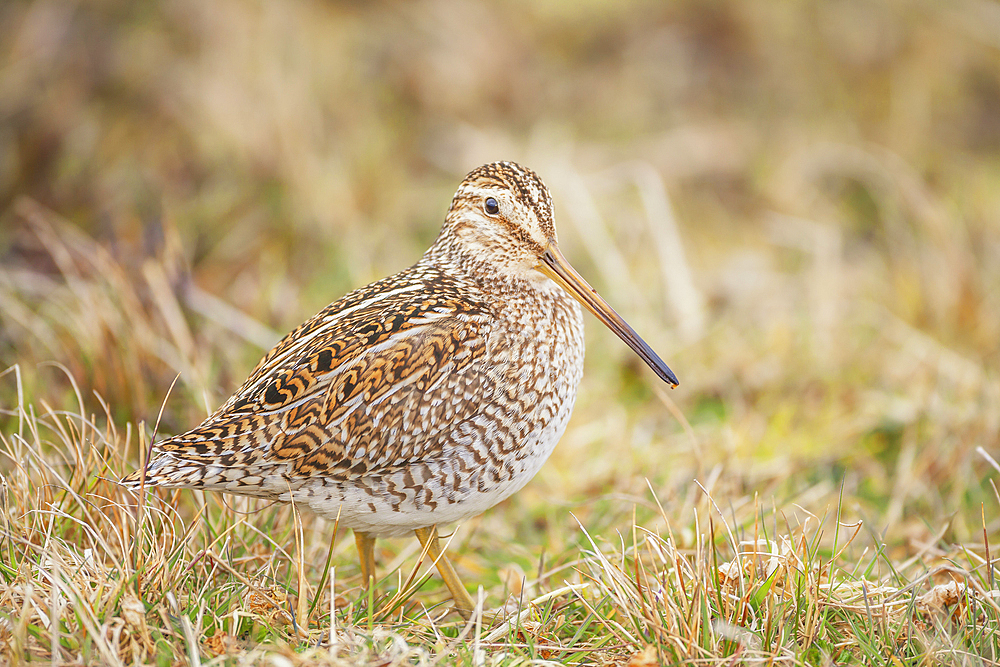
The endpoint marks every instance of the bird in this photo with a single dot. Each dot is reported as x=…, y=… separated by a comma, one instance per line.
x=422, y=399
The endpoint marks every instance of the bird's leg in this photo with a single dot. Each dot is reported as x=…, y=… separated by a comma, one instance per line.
x=429, y=540
x=366, y=553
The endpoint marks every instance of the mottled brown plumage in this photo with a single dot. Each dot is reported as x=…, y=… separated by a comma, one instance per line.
x=423, y=398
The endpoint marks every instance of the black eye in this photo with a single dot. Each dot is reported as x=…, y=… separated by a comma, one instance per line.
x=491, y=206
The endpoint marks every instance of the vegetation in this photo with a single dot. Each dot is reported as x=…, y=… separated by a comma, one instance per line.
x=796, y=204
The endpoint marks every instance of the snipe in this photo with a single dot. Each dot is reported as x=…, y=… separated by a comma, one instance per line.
x=421, y=399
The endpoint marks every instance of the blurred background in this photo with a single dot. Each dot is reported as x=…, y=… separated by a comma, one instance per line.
x=797, y=204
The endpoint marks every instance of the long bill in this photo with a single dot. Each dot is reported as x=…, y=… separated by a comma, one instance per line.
x=556, y=267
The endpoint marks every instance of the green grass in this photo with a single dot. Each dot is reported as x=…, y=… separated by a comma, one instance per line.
x=181, y=184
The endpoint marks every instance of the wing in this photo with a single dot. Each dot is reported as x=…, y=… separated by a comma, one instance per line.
x=366, y=385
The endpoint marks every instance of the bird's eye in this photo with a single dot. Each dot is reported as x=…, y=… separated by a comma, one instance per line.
x=491, y=206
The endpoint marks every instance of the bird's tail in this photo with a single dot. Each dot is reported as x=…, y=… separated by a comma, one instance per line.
x=169, y=472
x=172, y=472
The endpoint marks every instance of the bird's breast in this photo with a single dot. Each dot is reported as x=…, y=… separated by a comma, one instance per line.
x=535, y=361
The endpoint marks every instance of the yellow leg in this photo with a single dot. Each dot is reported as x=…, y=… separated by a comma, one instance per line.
x=429, y=540
x=366, y=552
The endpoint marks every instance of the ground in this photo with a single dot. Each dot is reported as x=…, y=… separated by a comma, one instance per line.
x=796, y=204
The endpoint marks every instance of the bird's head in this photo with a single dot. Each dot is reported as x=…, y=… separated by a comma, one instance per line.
x=501, y=216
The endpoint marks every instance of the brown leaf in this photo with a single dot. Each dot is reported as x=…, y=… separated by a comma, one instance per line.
x=941, y=596
x=644, y=658
x=219, y=643
x=139, y=644
x=263, y=599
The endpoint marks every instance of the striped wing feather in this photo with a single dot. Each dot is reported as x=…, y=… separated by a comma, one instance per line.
x=366, y=385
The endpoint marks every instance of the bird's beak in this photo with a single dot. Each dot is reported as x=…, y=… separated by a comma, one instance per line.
x=556, y=267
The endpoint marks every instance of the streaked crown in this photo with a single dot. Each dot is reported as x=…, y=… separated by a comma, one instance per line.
x=502, y=213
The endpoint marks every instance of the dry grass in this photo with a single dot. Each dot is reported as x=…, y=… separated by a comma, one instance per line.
x=796, y=203
x=91, y=575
